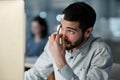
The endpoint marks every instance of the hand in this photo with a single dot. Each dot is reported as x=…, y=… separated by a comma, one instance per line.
x=57, y=50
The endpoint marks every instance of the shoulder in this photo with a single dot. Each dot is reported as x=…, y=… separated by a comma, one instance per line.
x=29, y=40
x=98, y=43
x=99, y=47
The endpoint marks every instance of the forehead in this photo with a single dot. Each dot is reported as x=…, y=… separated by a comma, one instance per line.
x=65, y=23
x=35, y=23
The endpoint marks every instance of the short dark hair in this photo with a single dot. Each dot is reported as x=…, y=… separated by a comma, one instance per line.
x=81, y=12
x=43, y=23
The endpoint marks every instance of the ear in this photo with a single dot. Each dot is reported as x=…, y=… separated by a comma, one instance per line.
x=88, y=32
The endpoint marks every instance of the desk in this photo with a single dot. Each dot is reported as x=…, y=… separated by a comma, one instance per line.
x=29, y=61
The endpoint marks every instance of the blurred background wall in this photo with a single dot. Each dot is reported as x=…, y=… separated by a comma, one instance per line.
x=107, y=24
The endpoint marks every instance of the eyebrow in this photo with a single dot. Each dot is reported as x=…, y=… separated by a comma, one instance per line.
x=69, y=27
x=72, y=28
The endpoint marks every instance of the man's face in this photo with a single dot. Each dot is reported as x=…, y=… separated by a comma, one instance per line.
x=72, y=33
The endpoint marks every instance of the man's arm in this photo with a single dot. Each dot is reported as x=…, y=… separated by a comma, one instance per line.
x=99, y=69
x=42, y=68
x=100, y=61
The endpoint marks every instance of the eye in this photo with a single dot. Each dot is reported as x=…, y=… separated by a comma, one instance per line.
x=71, y=32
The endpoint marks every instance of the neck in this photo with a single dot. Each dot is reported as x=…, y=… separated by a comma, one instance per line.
x=37, y=36
x=79, y=45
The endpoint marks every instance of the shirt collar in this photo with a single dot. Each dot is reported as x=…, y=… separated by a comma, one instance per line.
x=86, y=46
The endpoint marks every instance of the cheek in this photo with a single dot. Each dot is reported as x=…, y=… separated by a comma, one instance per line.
x=35, y=29
x=73, y=38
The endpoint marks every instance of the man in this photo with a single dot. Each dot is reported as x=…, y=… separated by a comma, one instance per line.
x=80, y=56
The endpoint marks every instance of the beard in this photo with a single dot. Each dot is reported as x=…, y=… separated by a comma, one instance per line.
x=70, y=45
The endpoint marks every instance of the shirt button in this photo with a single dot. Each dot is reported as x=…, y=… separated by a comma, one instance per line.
x=71, y=57
x=81, y=69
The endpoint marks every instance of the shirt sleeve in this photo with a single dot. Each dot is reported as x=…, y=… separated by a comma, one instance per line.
x=99, y=68
x=67, y=73
x=42, y=68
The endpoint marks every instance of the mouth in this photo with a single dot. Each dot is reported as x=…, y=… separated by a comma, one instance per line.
x=67, y=42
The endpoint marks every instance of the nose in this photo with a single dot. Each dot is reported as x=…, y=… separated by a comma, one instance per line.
x=63, y=32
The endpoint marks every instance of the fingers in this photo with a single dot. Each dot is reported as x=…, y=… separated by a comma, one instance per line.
x=52, y=37
x=63, y=41
x=56, y=38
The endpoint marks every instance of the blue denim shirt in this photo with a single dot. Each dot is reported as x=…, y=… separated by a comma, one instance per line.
x=33, y=48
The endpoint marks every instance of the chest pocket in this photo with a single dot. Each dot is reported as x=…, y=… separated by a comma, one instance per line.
x=80, y=72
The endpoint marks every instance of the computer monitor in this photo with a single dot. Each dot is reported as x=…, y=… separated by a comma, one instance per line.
x=12, y=39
